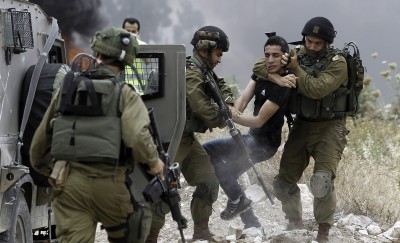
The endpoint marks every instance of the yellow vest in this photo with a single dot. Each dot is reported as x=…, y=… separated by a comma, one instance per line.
x=131, y=77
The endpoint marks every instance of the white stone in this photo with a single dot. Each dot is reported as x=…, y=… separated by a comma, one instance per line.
x=355, y=220
x=253, y=232
x=374, y=229
x=231, y=238
x=235, y=228
x=393, y=233
x=255, y=193
x=258, y=239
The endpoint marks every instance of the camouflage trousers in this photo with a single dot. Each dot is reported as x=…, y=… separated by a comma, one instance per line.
x=84, y=201
x=324, y=142
x=197, y=169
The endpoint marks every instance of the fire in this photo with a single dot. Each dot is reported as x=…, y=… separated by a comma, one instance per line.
x=72, y=50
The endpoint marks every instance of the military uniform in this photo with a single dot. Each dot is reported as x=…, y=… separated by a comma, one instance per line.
x=194, y=161
x=315, y=134
x=96, y=191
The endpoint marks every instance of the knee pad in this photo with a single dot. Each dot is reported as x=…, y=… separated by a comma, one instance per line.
x=283, y=190
x=321, y=184
x=207, y=192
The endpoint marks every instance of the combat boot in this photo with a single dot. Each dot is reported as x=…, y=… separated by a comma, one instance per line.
x=201, y=231
x=295, y=224
x=250, y=219
x=153, y=235
x=323, y=233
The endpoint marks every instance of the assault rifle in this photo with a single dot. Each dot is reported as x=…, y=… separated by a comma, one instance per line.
x=167, y=189
x=233, y=131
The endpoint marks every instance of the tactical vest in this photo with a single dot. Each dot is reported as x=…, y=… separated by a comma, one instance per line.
x=87, y=127
x=332, y=106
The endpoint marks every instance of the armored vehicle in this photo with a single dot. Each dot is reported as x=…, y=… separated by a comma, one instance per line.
x=29, y=40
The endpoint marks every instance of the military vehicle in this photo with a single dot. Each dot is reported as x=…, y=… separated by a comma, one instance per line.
x=27, y=37
x=33, y=52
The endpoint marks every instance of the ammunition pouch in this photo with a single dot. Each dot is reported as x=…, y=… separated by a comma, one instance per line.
x=331, y=106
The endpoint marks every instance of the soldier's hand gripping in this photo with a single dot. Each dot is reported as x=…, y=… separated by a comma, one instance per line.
x=157, y=169
x=289, y=60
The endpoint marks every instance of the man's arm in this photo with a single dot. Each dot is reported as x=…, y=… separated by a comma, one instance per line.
x=283, y=81
x=135, y=131
x=200, y=102
x=267, y=111
x=327, y=81
x=244, y=99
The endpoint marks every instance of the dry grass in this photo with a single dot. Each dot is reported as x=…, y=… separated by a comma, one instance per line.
x=368, y=178
x=369, y=175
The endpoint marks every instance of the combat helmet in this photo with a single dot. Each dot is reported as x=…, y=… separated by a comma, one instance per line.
x=320, y=27
x=116, y=43
x=210, y=37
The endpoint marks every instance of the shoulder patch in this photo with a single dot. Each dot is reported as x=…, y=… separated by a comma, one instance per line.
x=336, y=57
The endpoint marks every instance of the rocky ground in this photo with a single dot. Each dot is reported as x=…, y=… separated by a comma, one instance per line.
x=347, y=229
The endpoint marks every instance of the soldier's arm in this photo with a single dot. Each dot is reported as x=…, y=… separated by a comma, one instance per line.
x=226, y=91
x=135, y=123
x=200, y=102
x=261, y=71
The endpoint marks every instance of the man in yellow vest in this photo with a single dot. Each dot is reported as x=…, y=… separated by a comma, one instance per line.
x=132, y=76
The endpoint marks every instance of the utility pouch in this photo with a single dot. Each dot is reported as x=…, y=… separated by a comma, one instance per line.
x=60, y=172
x=327, y=109
x=310, y=108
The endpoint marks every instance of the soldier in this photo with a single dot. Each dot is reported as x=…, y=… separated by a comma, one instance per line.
x=82, y=143
x=317, y=132
x=264, y=136
x=209, y=44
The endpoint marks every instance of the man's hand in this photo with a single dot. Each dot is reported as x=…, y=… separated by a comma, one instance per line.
x=234, y=112
x=289, y=60
x=157, y=169
x=285, y=81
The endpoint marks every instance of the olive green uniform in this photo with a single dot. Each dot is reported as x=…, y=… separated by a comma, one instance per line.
x=193, y=160
x=322, y=139
x=96, y=192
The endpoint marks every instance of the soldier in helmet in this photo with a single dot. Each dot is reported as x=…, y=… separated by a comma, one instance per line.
x=317, y=132
x=83, y=143
x=209, y=44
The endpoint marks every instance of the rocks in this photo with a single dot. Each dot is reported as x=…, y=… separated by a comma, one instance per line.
x=348, y=228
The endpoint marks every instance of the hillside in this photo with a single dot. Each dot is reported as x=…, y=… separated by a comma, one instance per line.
x=367, y=185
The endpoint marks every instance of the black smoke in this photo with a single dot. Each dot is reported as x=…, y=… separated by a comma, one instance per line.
x=81, y=17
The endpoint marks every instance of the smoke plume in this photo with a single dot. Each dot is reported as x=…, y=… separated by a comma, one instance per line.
x=82, y=17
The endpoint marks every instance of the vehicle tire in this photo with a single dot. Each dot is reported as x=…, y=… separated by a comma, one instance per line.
x=40, y=103
x=21, y=227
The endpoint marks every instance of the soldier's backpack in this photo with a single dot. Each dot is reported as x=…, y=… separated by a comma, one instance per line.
x=355, y=71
